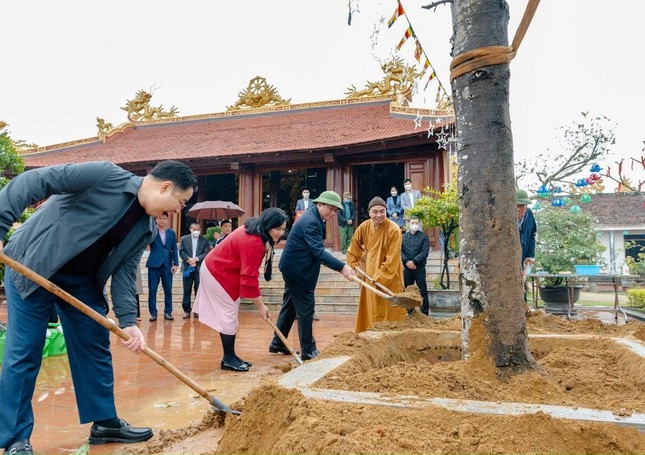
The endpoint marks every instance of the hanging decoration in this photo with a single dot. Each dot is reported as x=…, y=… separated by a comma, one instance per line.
x=443, y=99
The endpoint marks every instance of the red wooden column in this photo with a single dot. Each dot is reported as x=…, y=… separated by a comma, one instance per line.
x=334, y=183
x=250, y=193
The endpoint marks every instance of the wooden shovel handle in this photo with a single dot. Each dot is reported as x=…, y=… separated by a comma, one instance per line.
x=284, y=340
x=371, y=288
x=384, y=288
x=111, y=326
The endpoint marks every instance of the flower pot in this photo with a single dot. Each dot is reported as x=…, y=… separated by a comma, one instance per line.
x=556, y=298
x=587, y=269
x=444, y=302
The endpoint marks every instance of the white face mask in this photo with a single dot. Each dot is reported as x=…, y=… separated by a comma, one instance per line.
x=408, y=187
x=393, y=193
x=195, y=233
x=414, y=227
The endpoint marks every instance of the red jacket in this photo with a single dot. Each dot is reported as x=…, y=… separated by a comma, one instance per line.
x=235, y=264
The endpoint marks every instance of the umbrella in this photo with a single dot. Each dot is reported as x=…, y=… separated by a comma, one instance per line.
x=215, y=210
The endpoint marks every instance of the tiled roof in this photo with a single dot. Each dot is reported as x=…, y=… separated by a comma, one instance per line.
x=616, y=210
x=318, y=126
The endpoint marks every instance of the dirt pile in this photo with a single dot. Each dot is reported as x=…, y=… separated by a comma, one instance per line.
x=421, y=356
x=280, y=421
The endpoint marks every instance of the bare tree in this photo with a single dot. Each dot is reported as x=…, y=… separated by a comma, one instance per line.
x=490, y=248
x=583, y=143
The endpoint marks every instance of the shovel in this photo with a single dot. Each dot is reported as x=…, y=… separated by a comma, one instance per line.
x=400, y=299
x=285, y=342
x=112, y=327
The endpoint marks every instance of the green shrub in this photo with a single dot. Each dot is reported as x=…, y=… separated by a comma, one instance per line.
x=636, y=298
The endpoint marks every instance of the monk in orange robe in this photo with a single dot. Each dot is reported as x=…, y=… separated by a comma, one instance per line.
x=378, y=242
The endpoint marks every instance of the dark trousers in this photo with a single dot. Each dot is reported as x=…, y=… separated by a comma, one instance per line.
x=156, y=274
x=418, y=276
x=190, y=282
x=300, y=303
x=88, y=350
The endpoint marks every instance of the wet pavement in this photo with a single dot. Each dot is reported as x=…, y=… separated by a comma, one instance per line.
x=149, y=395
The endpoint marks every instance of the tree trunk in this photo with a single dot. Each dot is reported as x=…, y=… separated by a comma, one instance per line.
x=490, y=249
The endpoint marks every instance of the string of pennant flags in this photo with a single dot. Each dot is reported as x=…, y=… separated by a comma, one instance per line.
x=418, y=51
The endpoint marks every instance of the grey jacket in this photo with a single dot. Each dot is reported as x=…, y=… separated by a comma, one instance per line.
x=85, y=201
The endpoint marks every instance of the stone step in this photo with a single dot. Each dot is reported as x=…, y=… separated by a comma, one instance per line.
x=333, y=292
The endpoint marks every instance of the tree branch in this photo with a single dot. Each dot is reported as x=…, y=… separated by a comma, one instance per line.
x=435, y=4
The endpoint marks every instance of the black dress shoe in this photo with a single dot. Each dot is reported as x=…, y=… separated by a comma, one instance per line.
x=227, y=366
x=125, y=434
x=20, y=448
x=274, y=349
x=168, y=317
x=244, y=362
x=313, y=354
x=152, y=318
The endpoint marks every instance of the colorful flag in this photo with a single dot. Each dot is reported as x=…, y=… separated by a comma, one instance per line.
x=418, y=51
x=408, y=34
x=426, y=65
x=432, y=76
x=399, y=12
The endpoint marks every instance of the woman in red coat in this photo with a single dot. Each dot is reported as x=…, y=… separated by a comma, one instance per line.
x=231, y=272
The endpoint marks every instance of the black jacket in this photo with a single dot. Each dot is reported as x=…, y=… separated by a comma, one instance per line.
x=304, y=252
x=415, y=248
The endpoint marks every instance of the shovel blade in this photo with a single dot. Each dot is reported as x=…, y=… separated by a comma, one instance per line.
x=405, y=301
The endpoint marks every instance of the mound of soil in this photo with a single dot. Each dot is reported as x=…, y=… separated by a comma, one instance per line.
x=420, y=356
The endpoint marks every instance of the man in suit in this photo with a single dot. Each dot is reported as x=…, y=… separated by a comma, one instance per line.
x=300, y=266
x=95, y=225
x=163, y=262
x=302, y=204
x=193, y=248
x=410, y=196
x=226, y=226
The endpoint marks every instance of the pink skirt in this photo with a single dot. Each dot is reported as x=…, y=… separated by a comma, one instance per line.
x=215, y=307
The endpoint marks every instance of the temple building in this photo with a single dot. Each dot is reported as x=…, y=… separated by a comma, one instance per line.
x=263, y=150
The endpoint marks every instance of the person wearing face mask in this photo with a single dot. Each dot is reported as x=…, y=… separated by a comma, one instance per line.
x=377, y=242
x=193, y=248
x=410, y=196
x=346, y=218
x=302, y=204
x=415, y=248
x=394, y=210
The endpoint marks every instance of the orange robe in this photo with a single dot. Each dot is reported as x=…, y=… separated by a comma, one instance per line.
x=381, y=247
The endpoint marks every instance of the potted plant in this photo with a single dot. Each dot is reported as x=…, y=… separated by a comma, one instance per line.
x=438, y=209
x=564, y=239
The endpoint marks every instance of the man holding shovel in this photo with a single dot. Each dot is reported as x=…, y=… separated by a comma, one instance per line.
x=300, y=267
x=96, y=223
x=380, y=239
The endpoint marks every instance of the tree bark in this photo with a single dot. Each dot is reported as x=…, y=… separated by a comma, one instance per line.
x=490, y=257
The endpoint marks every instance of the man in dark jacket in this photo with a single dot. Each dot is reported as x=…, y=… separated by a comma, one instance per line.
x=96, y=222
x=346, y=221
x=162, y=264
x=300, y=267
x=527, y=227
x=193, y=248
x=415, y=248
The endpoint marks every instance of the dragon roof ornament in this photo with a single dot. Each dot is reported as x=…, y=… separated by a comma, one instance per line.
x=139, y=109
